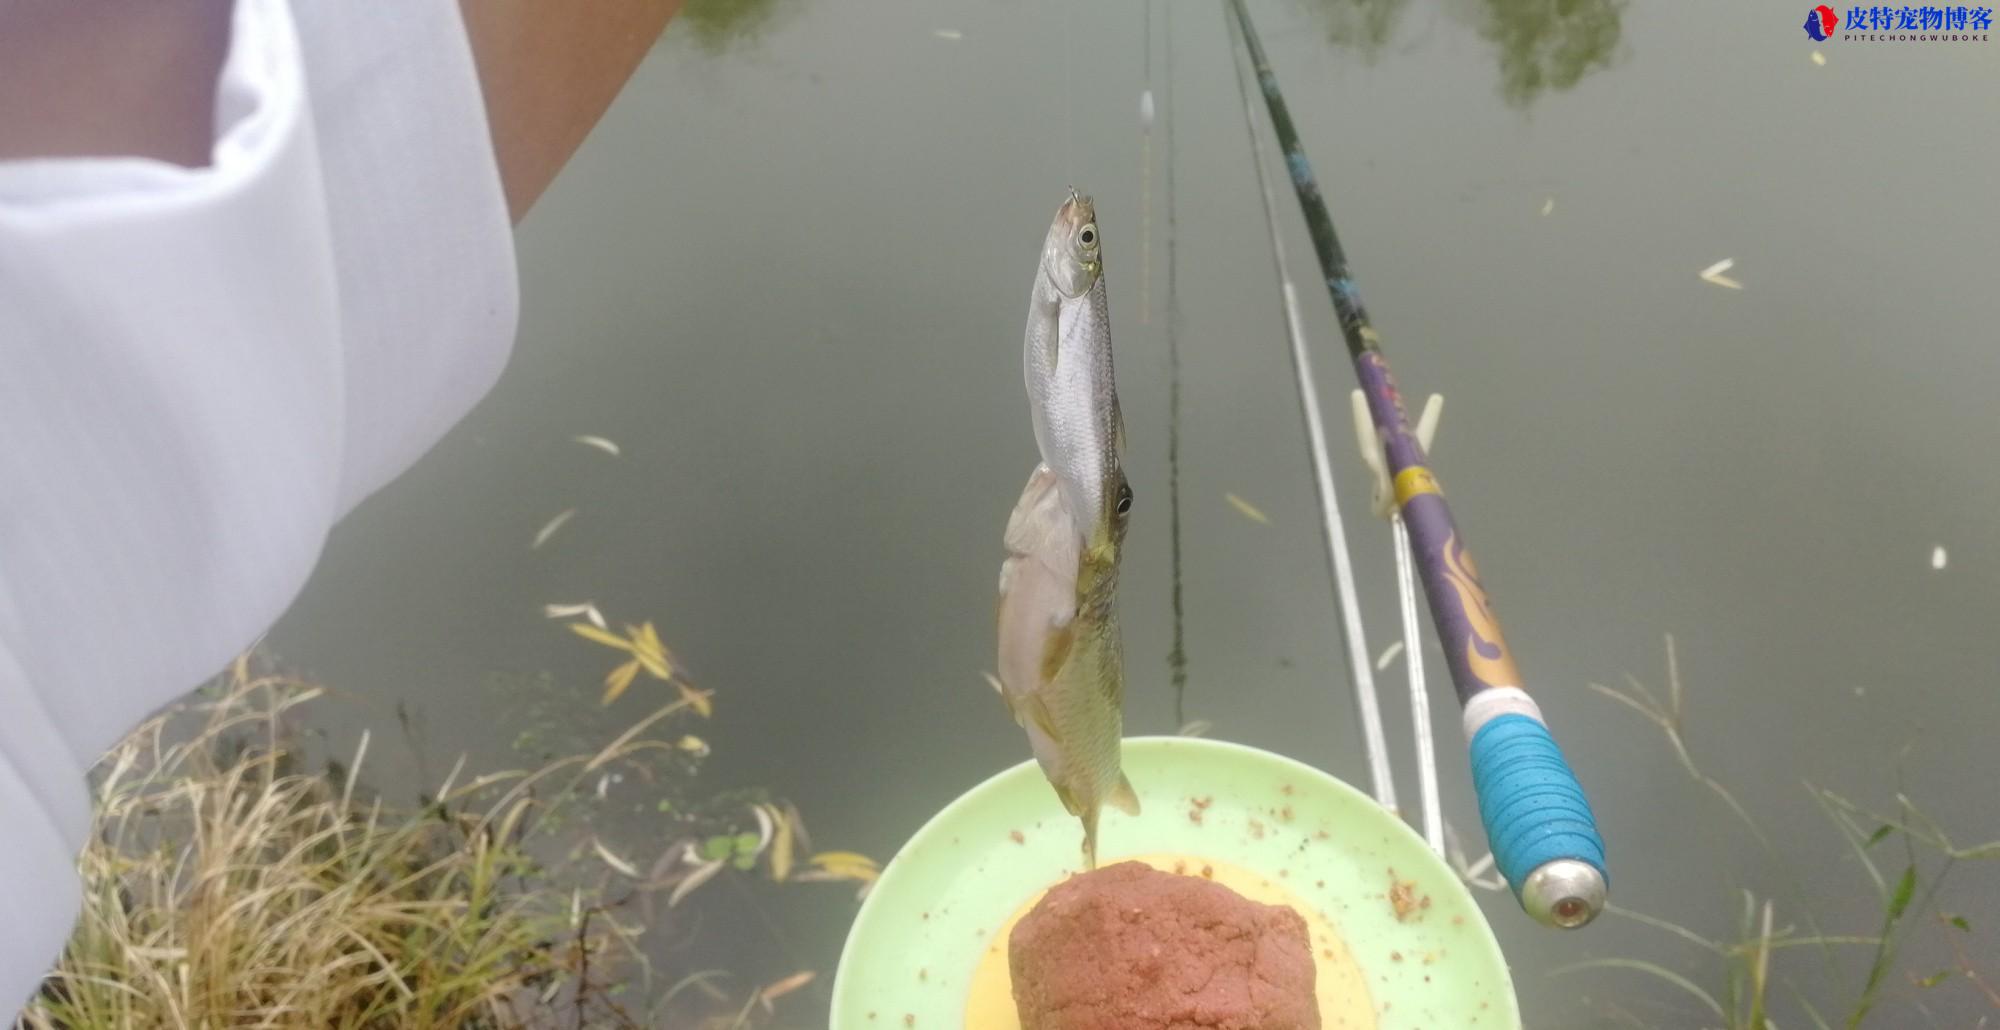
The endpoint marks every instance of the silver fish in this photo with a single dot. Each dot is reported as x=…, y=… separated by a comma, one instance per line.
x=1062, y=669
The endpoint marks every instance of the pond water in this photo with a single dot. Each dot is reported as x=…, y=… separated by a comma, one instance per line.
x=787, y=276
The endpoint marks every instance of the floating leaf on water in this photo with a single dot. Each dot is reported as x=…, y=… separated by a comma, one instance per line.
x=781, y=846
x=693, y=745
x=602, y=636
x=1938, y=557
x=718, y=847
x=1819, y=58
x=1960, y=922
x=779, y=988
x=1713, y=274
x=1934, y=979
x=698, y=700
x=570, y=611
x=846, y=865
x=1388, y=655
x=695, y=879
x=651, y=653
x=1249, y=510
x=1548, y=206
x=1876, y=837
x=550, y=527
x=613, y=860
x=598, y=442
x=949, y=34
x=620, y=680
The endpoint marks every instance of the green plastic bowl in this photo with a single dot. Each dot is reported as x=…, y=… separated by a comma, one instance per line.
x=917, y=940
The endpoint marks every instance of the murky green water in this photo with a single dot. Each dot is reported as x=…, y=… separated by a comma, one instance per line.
x=788, y=278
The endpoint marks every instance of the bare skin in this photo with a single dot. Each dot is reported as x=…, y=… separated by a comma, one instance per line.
x=111, y=77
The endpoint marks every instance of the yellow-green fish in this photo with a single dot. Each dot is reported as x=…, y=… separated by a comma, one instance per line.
x=1062, y=666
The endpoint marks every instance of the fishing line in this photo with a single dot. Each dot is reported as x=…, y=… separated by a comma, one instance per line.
x=1069, y=91
x=1353, y=641
x=1176, y=658
x=1146, y=167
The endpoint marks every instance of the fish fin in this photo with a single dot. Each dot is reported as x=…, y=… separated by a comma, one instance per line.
x=1031, y=706
x=1123, y=797
x=1089, y=838
x=1056, y=649
x=1069, y=802
x=1001, y=689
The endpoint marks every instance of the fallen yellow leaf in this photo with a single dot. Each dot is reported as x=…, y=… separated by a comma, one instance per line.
x=608, y=639
x=780, y=988
x=620, y=679
x=698, y=699
x=781, y=844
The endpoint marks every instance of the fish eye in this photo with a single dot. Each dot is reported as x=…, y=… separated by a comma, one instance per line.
x=1124, y=500
x=1088, y=237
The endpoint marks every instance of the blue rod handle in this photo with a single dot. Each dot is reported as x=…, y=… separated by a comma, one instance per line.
x=1538, y=822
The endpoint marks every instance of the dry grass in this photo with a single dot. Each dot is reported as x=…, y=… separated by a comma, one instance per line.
x=228, y=886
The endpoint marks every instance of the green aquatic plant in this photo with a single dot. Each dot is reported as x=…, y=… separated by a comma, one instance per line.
x=1751, y=962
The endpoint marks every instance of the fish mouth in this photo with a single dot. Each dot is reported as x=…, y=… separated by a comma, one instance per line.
x=1078, y=209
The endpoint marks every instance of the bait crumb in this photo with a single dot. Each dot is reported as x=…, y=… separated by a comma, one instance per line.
x=1285, y=814
x=1208, y=872
x=1286, y=790
x=1180, y=868
x=909, y=1019
x=1257, y=829
x=1403, y=897
x=1322, y=835
x=1017, y=836
x=1321, y=884
x=923, y=974
x=1395, y=956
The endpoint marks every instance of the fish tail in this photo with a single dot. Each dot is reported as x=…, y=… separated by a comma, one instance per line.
x=1123, y=797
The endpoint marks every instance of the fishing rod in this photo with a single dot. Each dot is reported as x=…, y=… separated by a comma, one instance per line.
x=1538, y=822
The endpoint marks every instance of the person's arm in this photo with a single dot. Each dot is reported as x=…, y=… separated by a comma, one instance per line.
x=90, y=78
x=549, y=71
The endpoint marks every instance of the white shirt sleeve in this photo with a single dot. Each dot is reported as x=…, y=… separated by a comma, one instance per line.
x=202, y=369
